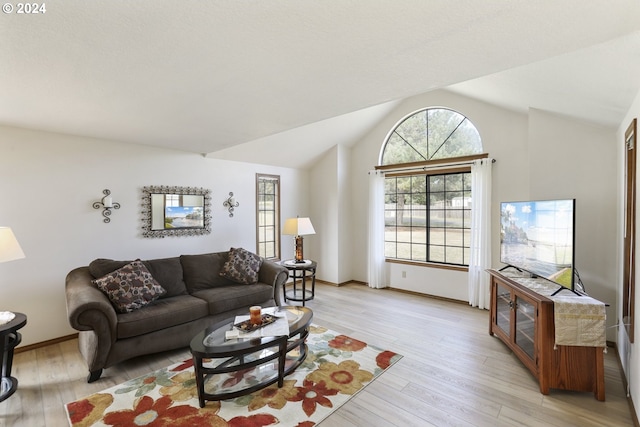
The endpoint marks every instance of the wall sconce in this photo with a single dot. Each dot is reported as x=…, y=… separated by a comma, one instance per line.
x=230, y=203
x=106, y=204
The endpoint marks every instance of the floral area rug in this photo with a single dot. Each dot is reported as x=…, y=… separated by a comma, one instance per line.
x=336, y=368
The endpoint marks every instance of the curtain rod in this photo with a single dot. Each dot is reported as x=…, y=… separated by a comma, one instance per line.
x=424, y=168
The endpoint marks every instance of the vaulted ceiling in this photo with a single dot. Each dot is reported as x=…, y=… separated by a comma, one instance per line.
x=207, y=76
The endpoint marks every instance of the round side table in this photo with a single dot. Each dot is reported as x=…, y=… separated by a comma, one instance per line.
x=300, y=271
x=9, y=339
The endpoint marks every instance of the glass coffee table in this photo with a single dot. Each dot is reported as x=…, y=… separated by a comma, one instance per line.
x=228, y=368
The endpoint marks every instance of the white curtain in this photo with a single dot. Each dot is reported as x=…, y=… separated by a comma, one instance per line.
x=376, y=230
x=480, y=256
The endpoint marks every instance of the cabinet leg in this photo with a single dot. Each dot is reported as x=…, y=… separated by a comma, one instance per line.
x=599, y=391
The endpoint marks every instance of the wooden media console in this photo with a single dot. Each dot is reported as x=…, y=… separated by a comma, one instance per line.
x=523, y=318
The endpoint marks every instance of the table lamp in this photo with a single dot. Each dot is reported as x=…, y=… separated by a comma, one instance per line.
x=9, y=250
x=298, y=227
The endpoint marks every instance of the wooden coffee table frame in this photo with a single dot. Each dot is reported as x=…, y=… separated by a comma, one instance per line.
x=237, y=350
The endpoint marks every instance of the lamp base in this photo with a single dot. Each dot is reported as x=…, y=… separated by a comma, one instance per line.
x=298, y=250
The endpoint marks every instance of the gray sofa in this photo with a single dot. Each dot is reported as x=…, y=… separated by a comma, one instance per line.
x=196, y=297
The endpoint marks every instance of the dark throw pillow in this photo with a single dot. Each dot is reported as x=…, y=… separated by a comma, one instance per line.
x=242, y=266
x=130, y=287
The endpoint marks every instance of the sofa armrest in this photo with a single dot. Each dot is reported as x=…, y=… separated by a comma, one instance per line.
x=88, y=309
x=274, y=275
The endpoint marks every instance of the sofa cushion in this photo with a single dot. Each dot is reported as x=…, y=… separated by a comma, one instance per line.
x=203, y=271
x=161, y=314
x=221, y=299
x=130, y=287
x=167, y=271
x=242, y=266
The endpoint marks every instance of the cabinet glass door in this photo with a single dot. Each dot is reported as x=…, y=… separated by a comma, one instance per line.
x=503, y=309
x=525, y=326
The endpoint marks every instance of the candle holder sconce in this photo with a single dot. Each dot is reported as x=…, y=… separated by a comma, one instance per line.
x=230, y=203
x=106, y=204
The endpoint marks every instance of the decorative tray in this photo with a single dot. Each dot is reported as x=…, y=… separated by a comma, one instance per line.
x=247, y=326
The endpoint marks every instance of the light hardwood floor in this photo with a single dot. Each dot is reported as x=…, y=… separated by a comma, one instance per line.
x=452, y=373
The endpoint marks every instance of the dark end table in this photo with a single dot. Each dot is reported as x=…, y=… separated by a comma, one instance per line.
x=9, y=339
x=302, y=272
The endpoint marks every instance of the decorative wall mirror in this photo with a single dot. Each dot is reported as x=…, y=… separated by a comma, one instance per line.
x=175, y=211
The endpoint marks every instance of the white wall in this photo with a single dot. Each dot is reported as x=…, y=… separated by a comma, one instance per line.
x=330, y=193
x=324, y=211
x=48, y=183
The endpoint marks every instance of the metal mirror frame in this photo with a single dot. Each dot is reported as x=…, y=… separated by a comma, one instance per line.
x=147, y=212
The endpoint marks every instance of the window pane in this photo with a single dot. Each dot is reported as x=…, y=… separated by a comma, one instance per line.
x=456, y=198
x=403, y=184
x=467, y=183
x=437, y=217
x=436, y=236
x=436, y=253
x=454, y=255
x=403, y=250
x=403, y=217
x=403, y=234
x=454, y=218
x=270, y=251
x=453, y=237
x=390, y=250
x=418, y=252
x=466, y=218
x=436, y=183
x=466, y=235
x=390, y=217
x=419, y=235
x=453, y=182
x=390, y=233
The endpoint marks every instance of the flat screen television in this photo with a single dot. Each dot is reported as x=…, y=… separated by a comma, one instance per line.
x=538, y=237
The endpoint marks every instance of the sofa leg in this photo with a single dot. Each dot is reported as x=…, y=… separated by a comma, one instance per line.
x=94, y=376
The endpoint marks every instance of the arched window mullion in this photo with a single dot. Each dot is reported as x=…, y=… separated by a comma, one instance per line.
x=447, y=138
x=410, y=145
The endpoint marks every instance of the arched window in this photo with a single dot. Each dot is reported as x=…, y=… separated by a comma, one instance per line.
x=428, y=210
x=431, y=134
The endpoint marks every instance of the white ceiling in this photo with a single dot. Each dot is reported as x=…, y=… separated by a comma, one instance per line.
x=287, y=75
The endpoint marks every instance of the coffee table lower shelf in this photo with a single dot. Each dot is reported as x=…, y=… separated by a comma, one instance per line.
x=271, y=358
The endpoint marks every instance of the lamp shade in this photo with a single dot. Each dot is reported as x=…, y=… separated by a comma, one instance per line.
x=298, y=227
x=9, y=247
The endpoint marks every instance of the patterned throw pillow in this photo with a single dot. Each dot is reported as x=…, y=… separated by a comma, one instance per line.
x=242, y=266
x=130, y=287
